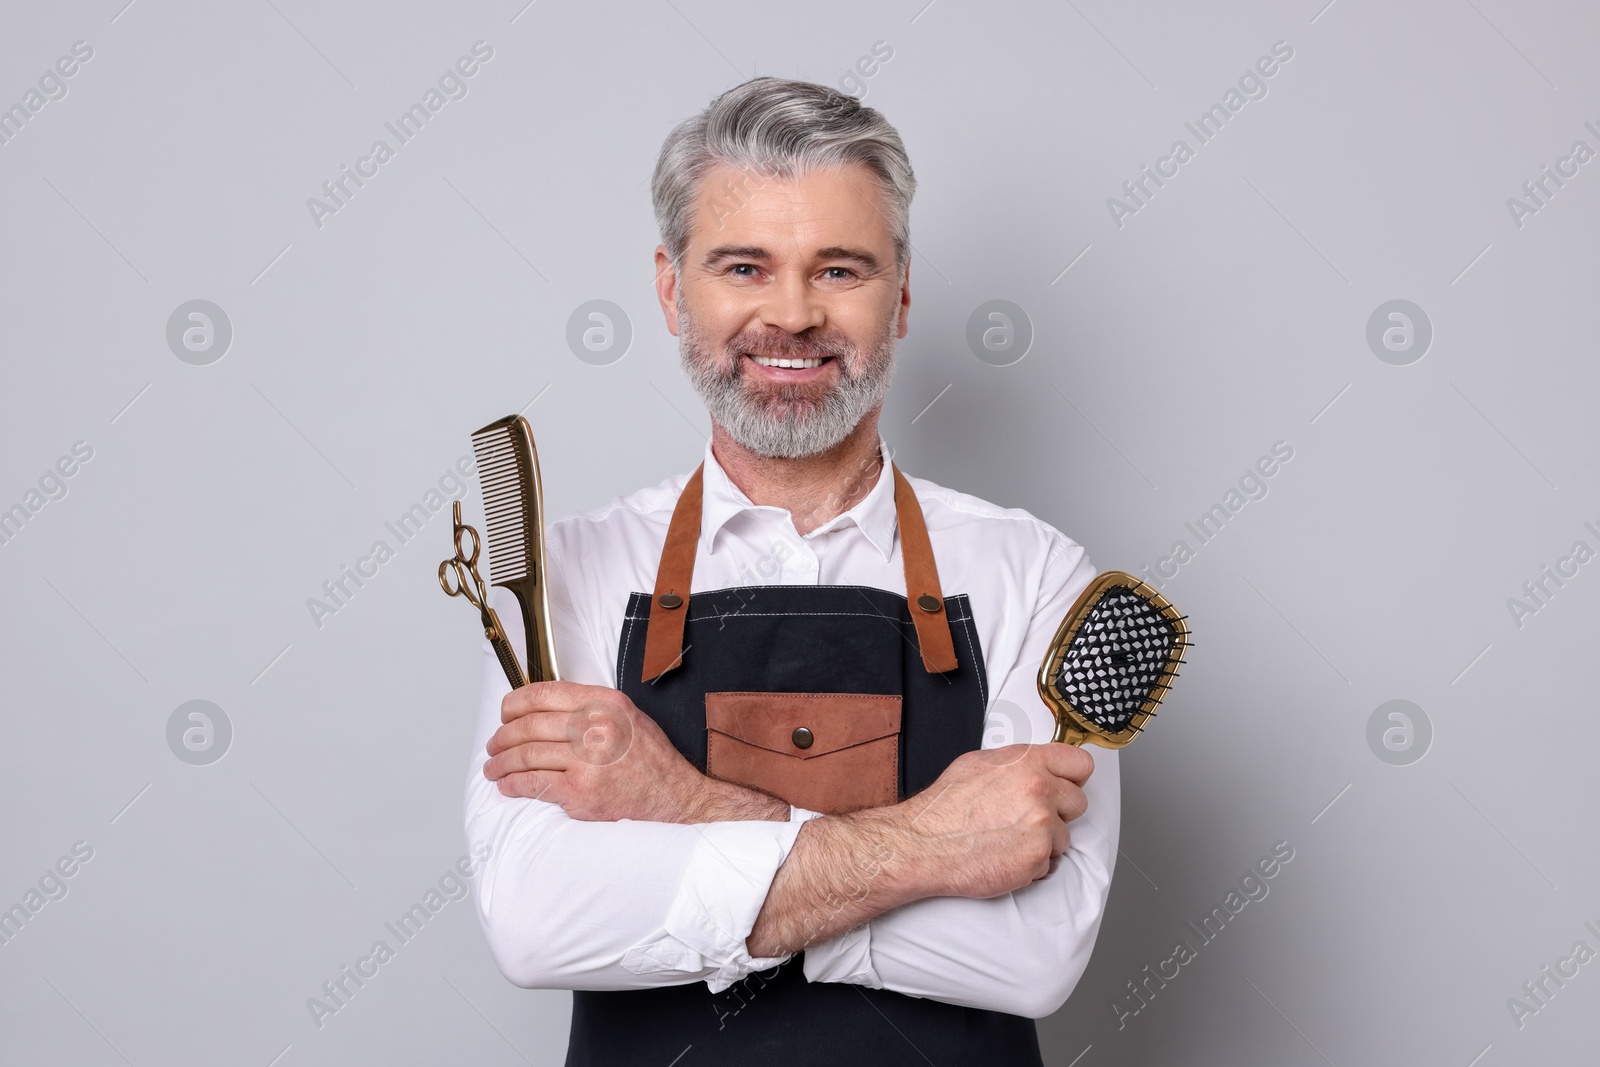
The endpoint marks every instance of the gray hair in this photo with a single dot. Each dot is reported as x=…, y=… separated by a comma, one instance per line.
x=782, y=129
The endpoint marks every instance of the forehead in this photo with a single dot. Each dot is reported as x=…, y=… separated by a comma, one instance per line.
x=827, y=207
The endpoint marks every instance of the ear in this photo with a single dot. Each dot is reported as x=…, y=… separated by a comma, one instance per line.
x=667, y=289
x=905, y=298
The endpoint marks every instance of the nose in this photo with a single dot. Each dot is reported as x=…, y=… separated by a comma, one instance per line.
x=792, y=304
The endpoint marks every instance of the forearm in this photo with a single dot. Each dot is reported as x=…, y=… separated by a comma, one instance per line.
x=843, y=871
x=719, y=801
x=837, y=876
x=1022, y=952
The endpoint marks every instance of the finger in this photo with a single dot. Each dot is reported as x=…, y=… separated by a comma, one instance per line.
x=535, y=696
x=1047, y=864
x=533, y=756
x=551, y=696
x=1048, y=868
x=535, y=785
x=1067, y=761
x=1060, y=841
x=540, y=726
x=1004, y=755
x=1070, y=801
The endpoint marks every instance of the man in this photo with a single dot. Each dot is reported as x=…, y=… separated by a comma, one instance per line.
x=760, y=819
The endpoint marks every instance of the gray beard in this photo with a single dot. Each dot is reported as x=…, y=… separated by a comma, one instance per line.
x=791, y=422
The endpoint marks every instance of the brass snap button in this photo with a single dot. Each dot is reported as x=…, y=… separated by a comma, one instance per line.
x=670, y=600
x=801, y=737
x=929, y=603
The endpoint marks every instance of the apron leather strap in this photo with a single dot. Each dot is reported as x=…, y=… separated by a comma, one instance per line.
x=922, y=581
x=669, y=605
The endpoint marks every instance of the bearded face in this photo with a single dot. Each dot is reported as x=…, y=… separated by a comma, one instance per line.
x=787, y=420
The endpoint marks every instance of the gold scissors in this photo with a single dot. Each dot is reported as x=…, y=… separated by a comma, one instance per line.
x=462, y=564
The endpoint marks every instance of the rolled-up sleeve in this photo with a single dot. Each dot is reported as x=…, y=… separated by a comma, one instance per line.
x=1022, y=952
x=569, y=904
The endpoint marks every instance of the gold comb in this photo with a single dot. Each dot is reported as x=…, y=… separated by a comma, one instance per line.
x=1112, y=661
x=513, y=504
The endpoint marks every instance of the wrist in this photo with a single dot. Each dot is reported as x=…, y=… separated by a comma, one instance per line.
x=707, y=799
x=895, y=858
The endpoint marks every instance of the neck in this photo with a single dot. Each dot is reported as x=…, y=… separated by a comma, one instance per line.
x=812, y=489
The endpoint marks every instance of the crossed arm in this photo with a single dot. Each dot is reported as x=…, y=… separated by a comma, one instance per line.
x=615, y=864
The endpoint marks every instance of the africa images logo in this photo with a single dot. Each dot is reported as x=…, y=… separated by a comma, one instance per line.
x=1253, y=888
x=1252, y=486
x=452, y=85
x=1252, y=85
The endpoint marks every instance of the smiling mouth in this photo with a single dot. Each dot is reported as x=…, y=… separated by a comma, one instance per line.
x=804, y=363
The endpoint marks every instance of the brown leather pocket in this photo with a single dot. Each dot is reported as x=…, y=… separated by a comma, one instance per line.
x=827, y=752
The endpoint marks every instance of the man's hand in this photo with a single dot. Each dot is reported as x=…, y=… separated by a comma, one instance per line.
x=996, y=819
x=591, y=750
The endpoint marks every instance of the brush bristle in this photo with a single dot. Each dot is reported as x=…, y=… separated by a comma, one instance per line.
x=1124, y=657
x=507, y=492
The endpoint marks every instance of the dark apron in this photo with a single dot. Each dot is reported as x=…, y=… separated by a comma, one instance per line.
x=676, y=648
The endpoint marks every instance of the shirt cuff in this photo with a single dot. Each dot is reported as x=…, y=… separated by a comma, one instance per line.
x=845, y=958
x=721, y=893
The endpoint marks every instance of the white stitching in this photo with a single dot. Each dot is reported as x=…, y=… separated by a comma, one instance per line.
x=800, y=614
x=964, y=621
x=983, y=692
x=783, y=614
x=627, y=637
x=872, y=588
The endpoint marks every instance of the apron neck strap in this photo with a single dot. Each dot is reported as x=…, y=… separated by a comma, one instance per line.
x=669, y=604
x=926, y=602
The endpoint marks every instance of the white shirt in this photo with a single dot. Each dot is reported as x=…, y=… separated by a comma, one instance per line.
x=568, y=904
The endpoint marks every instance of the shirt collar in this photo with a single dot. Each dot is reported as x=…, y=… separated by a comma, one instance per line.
x=873, y=515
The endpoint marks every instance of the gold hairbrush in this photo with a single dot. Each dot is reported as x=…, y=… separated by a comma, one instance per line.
x=1112, y=661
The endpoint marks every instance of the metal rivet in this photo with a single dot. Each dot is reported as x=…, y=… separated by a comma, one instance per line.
x=670, y=600
x=801, y=737
x=929, y=603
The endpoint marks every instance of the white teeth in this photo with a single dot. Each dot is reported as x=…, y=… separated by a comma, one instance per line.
x=795, y=364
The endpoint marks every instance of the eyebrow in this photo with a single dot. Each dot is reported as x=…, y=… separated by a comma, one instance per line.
x=861, y=256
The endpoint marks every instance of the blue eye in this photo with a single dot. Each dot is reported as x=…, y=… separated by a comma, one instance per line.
x=743, y=266
x=841, y=270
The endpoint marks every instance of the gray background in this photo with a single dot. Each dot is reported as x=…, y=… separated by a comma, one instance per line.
x=1228, y=314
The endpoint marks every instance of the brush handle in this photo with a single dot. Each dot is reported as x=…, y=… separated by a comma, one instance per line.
x=1069, y=734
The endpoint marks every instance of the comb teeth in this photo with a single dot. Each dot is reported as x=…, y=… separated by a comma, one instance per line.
x=505, y=475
